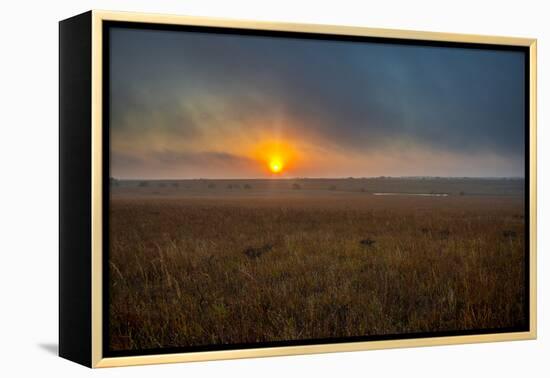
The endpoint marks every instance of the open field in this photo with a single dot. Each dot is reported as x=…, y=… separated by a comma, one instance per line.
x=324, y=187
x=201, y=262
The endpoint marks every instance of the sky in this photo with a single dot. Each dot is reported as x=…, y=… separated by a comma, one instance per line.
x=204, y=105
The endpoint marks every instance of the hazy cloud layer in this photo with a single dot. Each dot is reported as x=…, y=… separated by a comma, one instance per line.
x=185, y=103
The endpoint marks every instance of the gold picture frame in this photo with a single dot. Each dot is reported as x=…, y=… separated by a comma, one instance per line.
x=94, y=21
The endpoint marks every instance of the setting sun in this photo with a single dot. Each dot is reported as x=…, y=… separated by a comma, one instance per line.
x=278, y=157
x=275, y=165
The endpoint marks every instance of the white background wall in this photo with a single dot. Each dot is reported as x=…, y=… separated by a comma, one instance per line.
x=28, y=186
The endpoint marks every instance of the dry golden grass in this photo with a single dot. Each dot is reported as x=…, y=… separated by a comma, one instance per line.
x=201, y=271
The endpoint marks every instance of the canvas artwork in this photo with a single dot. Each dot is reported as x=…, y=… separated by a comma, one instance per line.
x=271, y=190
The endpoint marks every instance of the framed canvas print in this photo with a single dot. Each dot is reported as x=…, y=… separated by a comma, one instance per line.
x=235, y=189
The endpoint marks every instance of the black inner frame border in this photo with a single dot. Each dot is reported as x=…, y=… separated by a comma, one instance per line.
x=106, y=27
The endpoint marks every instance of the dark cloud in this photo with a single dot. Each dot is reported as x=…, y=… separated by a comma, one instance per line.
x=354, y=96
x=189, y=164
x=207, y=158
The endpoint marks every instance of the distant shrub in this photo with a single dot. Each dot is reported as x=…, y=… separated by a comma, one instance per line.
x=461, y=193
x=113, y=181
x=247, y=186
x=161, y=184
x=143, y=184
x=229, y=186
x=332, y=187
x=175, y=184
x=296, y=186
x=254, y=253
x=211, y=186
x=367, y=242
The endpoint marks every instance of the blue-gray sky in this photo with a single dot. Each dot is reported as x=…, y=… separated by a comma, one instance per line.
x=189, y=105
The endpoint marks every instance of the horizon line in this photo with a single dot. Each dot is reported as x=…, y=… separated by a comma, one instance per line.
x=323, y=178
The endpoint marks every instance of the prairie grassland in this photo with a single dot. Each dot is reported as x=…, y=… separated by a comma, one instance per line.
x=193, y=271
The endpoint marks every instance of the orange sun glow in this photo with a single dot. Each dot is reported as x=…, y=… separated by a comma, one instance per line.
x=276, y=155
x=275, y=165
